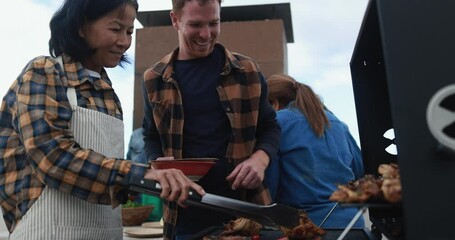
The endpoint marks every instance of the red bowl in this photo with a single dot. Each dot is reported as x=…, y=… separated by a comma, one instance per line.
x=193, y=168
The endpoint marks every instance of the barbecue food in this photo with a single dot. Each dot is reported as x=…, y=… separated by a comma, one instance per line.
x=371, y=188
x=391, y=189
x=391, y=185
x=389, y=171
x=306, y=230
x=357, y=191
x=243, y=228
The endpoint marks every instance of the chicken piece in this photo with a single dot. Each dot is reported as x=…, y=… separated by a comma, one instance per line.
x=370, y=188
x=358, y=191
x=391, y=188
x=389, y=171
x=242, y=227
x=306, y=230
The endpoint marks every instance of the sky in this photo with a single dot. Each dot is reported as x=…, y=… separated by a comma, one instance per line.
x=325, y=32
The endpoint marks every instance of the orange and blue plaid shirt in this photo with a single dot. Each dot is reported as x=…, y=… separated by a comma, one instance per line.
x=37, y=147
x=243, y=94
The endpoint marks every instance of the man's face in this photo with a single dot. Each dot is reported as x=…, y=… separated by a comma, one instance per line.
x=198, y=28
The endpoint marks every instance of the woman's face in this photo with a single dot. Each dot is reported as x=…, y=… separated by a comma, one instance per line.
x=110, y=36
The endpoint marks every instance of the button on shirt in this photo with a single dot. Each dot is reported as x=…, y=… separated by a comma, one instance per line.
x=37, y=149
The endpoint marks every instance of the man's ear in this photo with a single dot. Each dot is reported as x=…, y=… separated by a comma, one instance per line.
x=174, y=19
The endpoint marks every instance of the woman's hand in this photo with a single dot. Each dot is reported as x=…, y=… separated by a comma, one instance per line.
x=175, y=186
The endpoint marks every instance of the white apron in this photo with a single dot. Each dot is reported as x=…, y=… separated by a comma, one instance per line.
x=60, y=216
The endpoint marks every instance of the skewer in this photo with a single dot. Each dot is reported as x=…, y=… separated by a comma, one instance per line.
x=327, y=216
x=356, y=217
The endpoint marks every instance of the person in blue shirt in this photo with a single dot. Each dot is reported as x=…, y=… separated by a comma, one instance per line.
x=136, y=154
x=316, y=153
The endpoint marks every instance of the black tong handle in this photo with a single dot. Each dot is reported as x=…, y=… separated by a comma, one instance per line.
x=152, y=187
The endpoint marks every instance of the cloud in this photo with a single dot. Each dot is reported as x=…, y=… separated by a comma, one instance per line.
x=26, y=27
x=325, y=33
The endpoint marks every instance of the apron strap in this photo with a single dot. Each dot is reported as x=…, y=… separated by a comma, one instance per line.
x=70, y=92
x=71, y=95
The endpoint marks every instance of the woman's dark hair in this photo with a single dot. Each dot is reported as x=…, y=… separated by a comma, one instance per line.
x=286, y=89
x=69, y=19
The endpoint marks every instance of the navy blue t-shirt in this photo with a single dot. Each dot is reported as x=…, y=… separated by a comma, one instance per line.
x=206, y=129
x=206, y=133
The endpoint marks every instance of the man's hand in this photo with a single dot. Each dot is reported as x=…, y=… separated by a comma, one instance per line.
x=250, y=173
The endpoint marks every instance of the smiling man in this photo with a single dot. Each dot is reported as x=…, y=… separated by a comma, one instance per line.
x=202, y=100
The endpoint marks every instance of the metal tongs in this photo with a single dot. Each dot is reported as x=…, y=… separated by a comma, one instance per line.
x=274, y=215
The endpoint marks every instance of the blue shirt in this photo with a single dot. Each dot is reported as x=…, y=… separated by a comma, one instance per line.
x=308, y=168
x=136, y=151
x=206, y=131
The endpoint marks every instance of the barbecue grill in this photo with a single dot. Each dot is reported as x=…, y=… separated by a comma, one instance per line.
x=403, y=79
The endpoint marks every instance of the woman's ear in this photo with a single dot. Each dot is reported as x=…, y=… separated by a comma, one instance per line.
x=83, y=28
x=81, y=31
